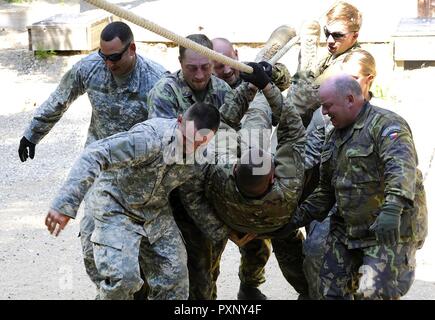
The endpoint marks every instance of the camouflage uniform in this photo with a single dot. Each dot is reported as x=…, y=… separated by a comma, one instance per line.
x=255, y=254
x=330, y=64
x=273, y=210
x=371, y=162
x=114, y=109
x=130, y=206
x=318, y=128
x=172, y=96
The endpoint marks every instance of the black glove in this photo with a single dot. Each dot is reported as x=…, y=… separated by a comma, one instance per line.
x=387, y=224
x=22, y=149
x=267, y=68
x=258, y=77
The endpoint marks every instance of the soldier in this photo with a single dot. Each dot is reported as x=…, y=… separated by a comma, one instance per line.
x=262, y=202
x=343, y=22
x=117, y=81
x=369, y=166
x=134, y=173
x=255, y=254
x=172, y=95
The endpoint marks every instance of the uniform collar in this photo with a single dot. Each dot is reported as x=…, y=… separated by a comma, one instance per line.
x=360, y=119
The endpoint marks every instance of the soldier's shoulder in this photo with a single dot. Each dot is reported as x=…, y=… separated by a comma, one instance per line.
x=91, y=61
x=387, y=123
x=385, y=116
x=151, y=66
x=169, y=79
x=159, y=123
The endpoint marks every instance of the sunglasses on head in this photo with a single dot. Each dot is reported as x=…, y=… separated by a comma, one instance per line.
x=335, y=35
x=114, y=56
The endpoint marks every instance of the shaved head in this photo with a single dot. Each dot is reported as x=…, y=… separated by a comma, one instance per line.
x=342, y=99
x=220, y=70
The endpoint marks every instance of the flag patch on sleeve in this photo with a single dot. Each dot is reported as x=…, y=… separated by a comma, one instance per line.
x=392, y=132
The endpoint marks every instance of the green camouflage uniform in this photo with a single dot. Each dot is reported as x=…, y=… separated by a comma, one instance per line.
x=172, y=96
x=273, y=210
x=318, y=128
x=330, y=64
x=371, y=162
x=114, y=109
x=130, y=206
x=255, y=254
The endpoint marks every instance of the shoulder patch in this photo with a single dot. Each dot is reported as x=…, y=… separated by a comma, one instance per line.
x=391, y=131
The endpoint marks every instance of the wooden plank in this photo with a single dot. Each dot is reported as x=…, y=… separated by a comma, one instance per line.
x=415, y=27
x=414, y=48
x=69, y=32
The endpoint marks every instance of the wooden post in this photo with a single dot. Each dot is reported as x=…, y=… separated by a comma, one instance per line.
x=426, y=8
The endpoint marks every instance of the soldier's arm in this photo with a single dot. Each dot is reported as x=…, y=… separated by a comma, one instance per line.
x=48, y=114
x=289, y=157
x=291, y=143
x=120, y=150
x=236, y=103
x=313, y=147
x=162, y=101
x=192, y=195
x=321, y=201
x=399, y=158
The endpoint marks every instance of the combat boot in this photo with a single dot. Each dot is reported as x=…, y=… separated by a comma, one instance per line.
x=309, y=37
x=250, y=293
x=278, y=39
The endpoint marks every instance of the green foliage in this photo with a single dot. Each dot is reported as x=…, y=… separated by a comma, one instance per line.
x=44, y=54
x=17, y=1
x=379, y=92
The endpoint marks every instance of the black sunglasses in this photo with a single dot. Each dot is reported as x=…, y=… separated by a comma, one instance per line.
x=114, y=56
x=335, y=35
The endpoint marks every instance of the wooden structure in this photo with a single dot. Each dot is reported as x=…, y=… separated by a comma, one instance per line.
x=414, y=40
x=69, y=32
x=426, y=8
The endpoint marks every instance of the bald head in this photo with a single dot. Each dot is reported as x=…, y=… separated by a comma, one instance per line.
x=342, y=99
x=220, y=70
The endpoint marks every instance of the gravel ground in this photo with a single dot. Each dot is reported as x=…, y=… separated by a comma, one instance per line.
x=36, y=265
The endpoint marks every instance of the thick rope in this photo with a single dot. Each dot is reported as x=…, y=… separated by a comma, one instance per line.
x=284, y=50
x=182, y=41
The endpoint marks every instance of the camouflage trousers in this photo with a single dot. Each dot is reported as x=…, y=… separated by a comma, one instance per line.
x=203, y=256
x=375, y=272
x=87, y=226
x=288, y=253
x=118, y=245
x=253, y=259
x=314, y=250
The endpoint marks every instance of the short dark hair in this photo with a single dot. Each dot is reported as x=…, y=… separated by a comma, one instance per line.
x=117, y=29
x=199, y=38
x=204, y=116
x=249, y=182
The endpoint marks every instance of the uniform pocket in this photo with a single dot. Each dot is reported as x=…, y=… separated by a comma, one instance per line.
x=109, y=235
x=364, y=165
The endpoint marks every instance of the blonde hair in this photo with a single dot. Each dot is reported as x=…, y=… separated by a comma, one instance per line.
x=365, y=60
x=347, y=13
